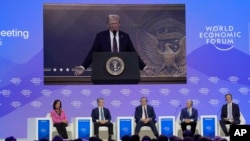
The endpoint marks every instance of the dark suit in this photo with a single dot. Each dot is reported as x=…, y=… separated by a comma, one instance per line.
x=235, y=114
x=151, y=123
x=102, y=43
x=95, y=117
x=185, y=115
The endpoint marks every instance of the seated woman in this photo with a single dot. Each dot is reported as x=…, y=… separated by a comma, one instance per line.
x=59, y=119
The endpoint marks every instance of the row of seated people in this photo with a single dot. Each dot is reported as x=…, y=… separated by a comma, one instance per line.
x=145, y=116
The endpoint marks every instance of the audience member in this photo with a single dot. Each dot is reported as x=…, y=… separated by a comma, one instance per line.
x=11, y=138
x=57, y=138
x=162, y=138
x=146, y=138
x=135, y=137
x=126, y=138
x=197, y=137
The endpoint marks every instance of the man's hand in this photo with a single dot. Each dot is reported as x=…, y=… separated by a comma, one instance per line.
x=187, y=120
x=79, y=70
x=148, y=70
x=145, y=121
x=103, y=121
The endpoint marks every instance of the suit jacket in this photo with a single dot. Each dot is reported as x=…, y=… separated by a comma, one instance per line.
x=95, y=114
x=102, y=43
x=150, y=112
x=185, y=114
x=235, y=112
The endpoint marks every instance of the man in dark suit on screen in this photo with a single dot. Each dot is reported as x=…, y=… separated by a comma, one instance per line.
x=230, y=113
x=145, y=116
x=189, y=116
x=111, y=40
x=101, y=117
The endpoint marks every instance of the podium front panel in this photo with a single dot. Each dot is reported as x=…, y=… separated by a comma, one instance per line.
x=83, y=127
x=209, y=125
x=129, y=75
x=39, y=128
x=125, y=126
x=167, y=125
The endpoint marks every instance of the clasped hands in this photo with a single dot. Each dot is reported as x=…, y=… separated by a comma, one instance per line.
x=145, y=120
x=102, y=121
x=187, y=120
x=229, y=120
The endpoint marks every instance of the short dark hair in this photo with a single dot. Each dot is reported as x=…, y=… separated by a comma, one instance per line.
x=143, y=98
x=98, y=99
x=229, y=95
x=54, y=103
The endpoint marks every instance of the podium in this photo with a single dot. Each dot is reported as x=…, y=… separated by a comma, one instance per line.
x=39, y=128
x=125, y=126
x=115, y=68
x=167, y=125
x=209, y=125
x=83, y=127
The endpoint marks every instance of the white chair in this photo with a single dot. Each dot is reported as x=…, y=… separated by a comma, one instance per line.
x=69, y=129
x=179, y=130
x=103, y=132
x=146, y=131
x=242, y=122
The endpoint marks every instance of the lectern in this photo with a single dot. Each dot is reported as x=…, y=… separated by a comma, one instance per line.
x=115, y=68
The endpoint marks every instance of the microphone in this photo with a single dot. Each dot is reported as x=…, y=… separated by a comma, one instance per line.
x=177, y=108
x=218, y=112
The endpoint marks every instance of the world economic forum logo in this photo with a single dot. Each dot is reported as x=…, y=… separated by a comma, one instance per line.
x=194, y=79
x=175, y=103
x=116, y=103
x=66, y=92
x=214, y=102
x=15, y=80
x=106, y=92
x=244, y=90
x=125, y=92
x=86, y=92
x=222, y=37
x=145, y=92
x=213, y=79
x=36, y=104
x=76, y=103
x=16, y=104
x=165, y=91
x=5, y=93
x=46, y=92
x=36, y=81
x=26, y=93
x=204, y=91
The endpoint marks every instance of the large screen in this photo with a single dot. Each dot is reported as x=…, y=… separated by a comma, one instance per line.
x=217, y=57
x=157, y=31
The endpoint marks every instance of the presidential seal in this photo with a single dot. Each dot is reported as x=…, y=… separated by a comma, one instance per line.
x=115, y=66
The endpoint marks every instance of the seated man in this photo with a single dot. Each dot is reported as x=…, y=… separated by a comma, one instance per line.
x=230, y=113
x=145, y=116
x=189, y=116
x=101, y=117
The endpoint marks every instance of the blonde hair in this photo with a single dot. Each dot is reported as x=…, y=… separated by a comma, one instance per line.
x=113, y=17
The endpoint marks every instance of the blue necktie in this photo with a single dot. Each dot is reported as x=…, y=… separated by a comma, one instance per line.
x=230, y=116
x=102, y=114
